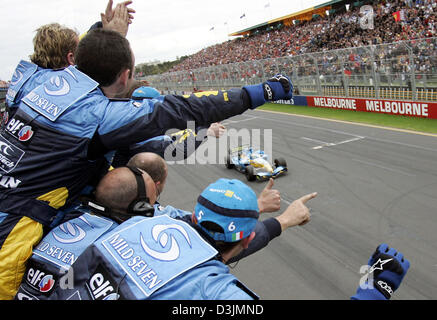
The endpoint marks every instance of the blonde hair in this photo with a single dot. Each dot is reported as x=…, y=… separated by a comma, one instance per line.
x=51, y=44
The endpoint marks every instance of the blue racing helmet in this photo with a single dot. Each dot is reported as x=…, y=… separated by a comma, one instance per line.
x=145, y=93
x=231, y=205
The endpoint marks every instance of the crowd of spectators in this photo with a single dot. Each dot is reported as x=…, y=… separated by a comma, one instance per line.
x=3, y=87
x=336, y=31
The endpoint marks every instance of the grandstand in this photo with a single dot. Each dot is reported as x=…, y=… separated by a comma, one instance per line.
x=327, y=52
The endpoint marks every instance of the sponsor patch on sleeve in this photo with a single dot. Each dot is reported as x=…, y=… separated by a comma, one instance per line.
x=21, y=74
x=62, y=90
x=64, y=244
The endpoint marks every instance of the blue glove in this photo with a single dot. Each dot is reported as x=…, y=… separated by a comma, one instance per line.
x=387, y=269
x=276, y=88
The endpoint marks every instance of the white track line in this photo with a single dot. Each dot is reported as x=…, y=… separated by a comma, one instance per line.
x=330, y=144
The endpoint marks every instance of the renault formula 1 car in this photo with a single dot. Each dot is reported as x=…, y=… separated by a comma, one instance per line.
x=254, y=164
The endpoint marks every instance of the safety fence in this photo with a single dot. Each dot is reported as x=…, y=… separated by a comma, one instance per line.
x=404, y=70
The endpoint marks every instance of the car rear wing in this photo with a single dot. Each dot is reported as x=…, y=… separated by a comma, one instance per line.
x=239, y=148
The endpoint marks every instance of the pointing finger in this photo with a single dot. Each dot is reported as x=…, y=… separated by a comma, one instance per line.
x=307, y=197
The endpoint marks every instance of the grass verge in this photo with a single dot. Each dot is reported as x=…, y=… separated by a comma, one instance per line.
x=379, y=119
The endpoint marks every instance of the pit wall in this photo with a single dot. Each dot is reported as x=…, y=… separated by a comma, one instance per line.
x=420, y=109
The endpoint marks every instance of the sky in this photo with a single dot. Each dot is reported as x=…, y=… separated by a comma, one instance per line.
x=161, y=30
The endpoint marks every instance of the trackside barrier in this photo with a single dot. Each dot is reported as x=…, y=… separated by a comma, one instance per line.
x=422, y=109
x=402, y=70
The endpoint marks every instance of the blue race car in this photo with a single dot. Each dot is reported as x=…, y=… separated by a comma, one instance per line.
x=254, y=164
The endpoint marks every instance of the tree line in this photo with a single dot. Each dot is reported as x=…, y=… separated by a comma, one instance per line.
x=147, y=69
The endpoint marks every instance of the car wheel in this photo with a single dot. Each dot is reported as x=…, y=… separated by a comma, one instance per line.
x=280, y=162
x=250, y=175
x=228, y=163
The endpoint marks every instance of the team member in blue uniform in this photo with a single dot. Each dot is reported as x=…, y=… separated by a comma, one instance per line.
x=61, y=247
x=50, y=264
x=50, y=269
x=387, y=266
x=183, y=258
x=73, y=112
x=48, y=148
x=54, y=46
x=166, y=258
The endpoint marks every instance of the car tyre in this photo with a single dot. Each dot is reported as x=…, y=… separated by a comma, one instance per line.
x=250, y=175
x=280, y=162
x=228, y=163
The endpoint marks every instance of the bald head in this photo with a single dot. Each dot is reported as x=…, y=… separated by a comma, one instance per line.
x=118, y=188
x=153, y=164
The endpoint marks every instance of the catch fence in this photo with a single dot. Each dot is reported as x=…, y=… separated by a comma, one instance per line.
x=404, y=70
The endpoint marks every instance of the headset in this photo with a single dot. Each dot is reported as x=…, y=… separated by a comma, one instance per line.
x=140, y=206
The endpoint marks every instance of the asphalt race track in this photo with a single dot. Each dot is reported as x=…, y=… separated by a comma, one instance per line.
x=374, y=185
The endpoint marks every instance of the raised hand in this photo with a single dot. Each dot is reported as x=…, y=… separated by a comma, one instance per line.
x=270, y=199
x=118, y=19
x=388, y=267
x=276, y=88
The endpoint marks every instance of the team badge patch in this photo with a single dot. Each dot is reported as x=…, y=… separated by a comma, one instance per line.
x=152, y=251
x=62, y=90
x=10, y=155
x=20, y=129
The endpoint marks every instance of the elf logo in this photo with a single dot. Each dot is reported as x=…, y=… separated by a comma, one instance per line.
x=18, y=129
x=40, y=280
x=25, y=134
x=47, y=283
x=102, y=286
